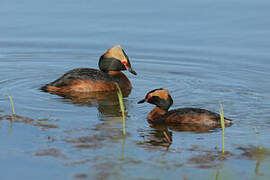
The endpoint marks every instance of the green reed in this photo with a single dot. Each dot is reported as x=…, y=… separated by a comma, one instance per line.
x=12, y=105
x=122, y=107
x=221, y=112
x=13, y=113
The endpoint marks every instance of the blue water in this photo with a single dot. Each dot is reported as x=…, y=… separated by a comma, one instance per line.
x=203, y=52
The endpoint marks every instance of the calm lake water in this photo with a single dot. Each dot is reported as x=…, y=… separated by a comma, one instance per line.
x=204, y=52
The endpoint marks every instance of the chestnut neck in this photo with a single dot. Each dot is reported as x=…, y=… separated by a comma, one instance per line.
x=113, y=73
x=156, y=115
x=121, y=79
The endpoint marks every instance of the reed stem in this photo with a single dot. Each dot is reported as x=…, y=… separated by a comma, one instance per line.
x=13, y=113
x=122, y=107
x=12, y=105
x=223, y=127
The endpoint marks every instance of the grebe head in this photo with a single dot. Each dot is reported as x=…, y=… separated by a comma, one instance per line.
x=159, y=97
x=115, y=59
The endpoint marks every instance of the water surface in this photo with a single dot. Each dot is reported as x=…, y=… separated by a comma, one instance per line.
x=203, y=52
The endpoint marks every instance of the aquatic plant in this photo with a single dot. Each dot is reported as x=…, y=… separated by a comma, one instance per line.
x=168, y=137
x=13, y=113
x=12, y=104
x=221, y=112
x=122, y=107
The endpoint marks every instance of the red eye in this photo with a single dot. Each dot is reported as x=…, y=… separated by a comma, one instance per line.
x=125, y=63
x=148, y=97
